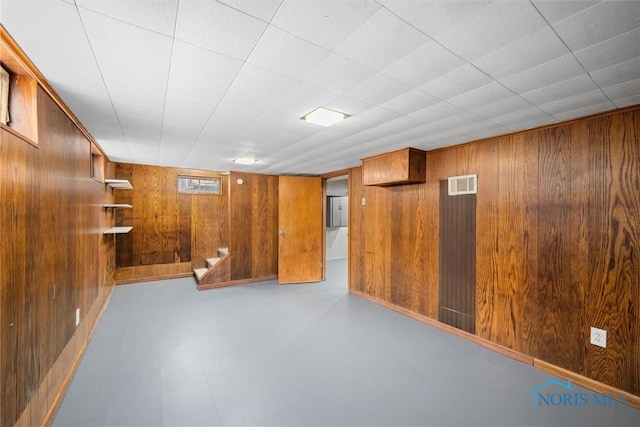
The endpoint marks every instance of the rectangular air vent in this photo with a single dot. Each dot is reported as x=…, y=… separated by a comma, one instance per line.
x=464, y=184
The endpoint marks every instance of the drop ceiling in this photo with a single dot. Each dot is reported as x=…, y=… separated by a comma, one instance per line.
x=195, y=84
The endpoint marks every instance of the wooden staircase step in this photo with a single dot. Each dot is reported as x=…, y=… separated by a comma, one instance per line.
x=199, y=272
x=222, y=252
x=212, y=261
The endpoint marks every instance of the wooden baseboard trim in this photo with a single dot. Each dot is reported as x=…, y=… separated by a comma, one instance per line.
x=450, y=329
x=205, y=287
x=62, y=390
x=586, y=382
x=149, y=273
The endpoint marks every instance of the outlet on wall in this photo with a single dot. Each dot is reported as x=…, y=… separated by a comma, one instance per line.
x=77, y=316
x=599, y=337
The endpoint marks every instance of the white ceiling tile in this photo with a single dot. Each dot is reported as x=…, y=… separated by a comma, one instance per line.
x=423, y=64
x=613, y=51
x=499, y=24
x=456, y=82
x=251, y=93
x=527, y=115
x=216, y=27
x=622, y=90
x=337, y=73
x=435, y=17
x=503, y=106
x=349, y=105
x=160, y=18
x=575, y=102
x=285, y=54
x=560, y=90
x=374, y=117
x=144, y=64
x=143, y=111
x=261, y=9
x=378, y=89
x=585, y=110
x=537, y=48
x=601, y=22
x=197, y=90
x=627, y=102
x=555, y=11
x=409, y=102
x=487, y=94
x=545, y=74
x=436, y=112
x=617, y=73
x=324, y=23
x=381, y=41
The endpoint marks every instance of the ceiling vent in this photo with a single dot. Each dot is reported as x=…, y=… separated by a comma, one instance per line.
x=463, y=184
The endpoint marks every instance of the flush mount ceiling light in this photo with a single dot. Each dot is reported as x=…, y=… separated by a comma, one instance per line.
x=244, y=161
x=324, y=117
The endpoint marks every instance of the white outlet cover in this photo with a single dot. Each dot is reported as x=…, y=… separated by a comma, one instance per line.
x=364, y=201
x=599, y=337
x=77, y=316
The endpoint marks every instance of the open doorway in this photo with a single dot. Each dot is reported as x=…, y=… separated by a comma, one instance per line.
x=337, y=227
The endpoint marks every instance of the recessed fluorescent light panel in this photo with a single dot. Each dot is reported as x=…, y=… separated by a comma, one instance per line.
x=324, y=117
x=244, y=161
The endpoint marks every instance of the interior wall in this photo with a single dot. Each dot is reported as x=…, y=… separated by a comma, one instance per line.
x=169, y=227
x=558, y=242
x=54, y=259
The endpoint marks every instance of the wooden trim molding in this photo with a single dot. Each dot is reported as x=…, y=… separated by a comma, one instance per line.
x=586, y=382
x=450, y=329
x=206, y=286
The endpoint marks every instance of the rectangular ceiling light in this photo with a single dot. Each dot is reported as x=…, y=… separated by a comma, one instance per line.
x=324, y=117
x=244, y=161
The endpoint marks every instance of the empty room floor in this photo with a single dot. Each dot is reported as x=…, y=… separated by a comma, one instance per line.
x=305, y=355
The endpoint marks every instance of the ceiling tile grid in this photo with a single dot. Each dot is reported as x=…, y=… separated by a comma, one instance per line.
x=195, y=84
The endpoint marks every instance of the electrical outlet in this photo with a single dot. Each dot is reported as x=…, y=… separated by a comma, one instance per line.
x=364, y=201
x=599, y=337
x=77, y=316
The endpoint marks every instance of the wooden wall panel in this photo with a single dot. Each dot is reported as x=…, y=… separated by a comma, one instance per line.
x=168, y=228
x=357, y=231
x=58, y=259
x=253, y=224
x=558, y=212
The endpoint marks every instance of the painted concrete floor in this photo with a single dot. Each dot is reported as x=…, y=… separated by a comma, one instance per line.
x=303, y=355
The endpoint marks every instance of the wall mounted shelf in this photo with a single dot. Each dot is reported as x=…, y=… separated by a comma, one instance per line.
x=405, y=166
x=118, y=230
x=117, y=205
x=118, y=183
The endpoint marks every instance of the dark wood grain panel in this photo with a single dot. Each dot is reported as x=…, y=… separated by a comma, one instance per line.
x=614, y=219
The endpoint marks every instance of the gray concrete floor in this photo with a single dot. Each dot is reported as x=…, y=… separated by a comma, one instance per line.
x=305, y=355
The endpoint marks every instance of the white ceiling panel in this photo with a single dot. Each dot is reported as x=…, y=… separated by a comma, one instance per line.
x=537, y=48
x=619, y=49
x=555, y=11
x=456, y=82
x=194, y=83
x=434, y=18
x=497, y=25
x=214, y=26
x=599, y=23
x=544, y=74
x=338, y=74
x=618, y=73
x=378, y=89
x=285, y=54
x=426, y=63
x=324, y=23
x=261, y=9
x=381, y=41
x=161, y=18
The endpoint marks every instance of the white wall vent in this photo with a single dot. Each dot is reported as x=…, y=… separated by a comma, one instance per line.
x=464, y=184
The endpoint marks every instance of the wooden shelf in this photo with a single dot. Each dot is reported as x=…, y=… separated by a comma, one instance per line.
x=118, y=230
x=406, y=166
x=118, y=184
x=117, y=205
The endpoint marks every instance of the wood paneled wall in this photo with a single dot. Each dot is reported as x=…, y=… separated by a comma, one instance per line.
x=558, y=242
x=169, y=227
x=253, y=222
x=53, y=260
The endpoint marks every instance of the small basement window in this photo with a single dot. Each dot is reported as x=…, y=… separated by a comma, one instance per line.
x=199, y=185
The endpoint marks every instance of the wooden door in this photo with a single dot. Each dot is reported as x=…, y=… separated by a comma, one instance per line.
x=301, y=228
